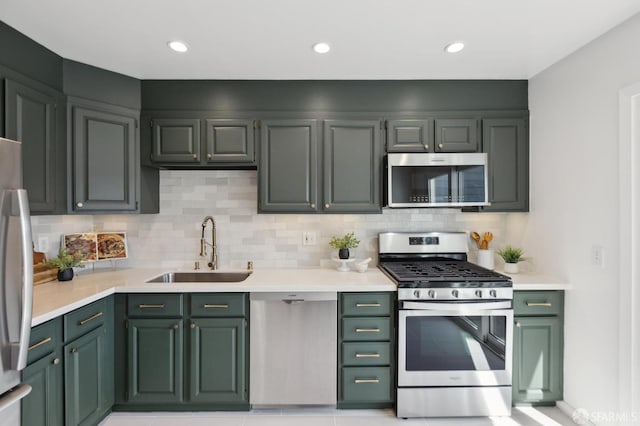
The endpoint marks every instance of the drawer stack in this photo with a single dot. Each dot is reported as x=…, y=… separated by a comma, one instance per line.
x=365, y=350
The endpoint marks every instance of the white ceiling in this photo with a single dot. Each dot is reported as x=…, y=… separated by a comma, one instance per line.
x=271, y=39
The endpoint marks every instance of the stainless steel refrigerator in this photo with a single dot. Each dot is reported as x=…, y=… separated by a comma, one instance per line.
x=16, y=282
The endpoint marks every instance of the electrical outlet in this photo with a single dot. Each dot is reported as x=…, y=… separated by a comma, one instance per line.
x=43, y=244
x=597, y=256
x=308, y=238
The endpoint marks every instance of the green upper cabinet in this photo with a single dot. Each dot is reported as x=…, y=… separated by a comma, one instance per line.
x=457, y=135
x=30, y=117
x=352, y=166
x=105, y=159
x=410, y=135
x=175, y=140
x=345, y=170
x=288, y=169
x=217, y=349
x=506, y=142
x=229, y=141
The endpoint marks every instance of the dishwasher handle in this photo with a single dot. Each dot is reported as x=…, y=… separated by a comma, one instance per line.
x=293, y=301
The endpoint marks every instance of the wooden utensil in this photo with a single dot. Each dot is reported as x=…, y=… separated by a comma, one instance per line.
x=488, y=237
x=476, y=238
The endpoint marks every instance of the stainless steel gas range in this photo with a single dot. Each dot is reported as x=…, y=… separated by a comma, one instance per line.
x=455, y=327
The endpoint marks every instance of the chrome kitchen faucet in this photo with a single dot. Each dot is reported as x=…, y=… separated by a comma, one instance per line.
x=213, y=261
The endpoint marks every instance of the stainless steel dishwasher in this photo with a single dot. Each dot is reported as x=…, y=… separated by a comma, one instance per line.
x=293, y=350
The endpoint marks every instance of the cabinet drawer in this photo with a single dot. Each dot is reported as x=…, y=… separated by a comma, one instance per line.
x=366, y=384
x=45, y=338
x=366, y=329
x=366, y=353
x=154, y=305
x=366, y=304
x=218, y=304
x=84, y=319
x=537, y=303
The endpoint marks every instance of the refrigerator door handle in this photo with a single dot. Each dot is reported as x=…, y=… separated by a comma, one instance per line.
x=20, y=348
x=14, y=395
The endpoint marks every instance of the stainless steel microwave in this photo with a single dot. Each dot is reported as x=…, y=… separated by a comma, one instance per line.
x=437, y=180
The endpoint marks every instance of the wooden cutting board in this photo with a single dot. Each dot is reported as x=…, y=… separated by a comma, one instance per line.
x=42, y=273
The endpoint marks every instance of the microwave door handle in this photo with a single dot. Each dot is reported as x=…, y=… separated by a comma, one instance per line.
x=20, y=348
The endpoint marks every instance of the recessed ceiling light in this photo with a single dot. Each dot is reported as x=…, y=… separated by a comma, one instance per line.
x=178, y=46
x=321, y=47
x=454, y=47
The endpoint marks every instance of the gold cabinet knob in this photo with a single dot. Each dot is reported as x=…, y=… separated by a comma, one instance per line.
x=55, y=361
x=74, y=350
x=80, y=205
x=209, y=156
x=327, y=205
x=517, y=323
x=195, y=156
x=440, y=146
x=426, y=147
x=175, y=326
x=193, y=325
x=312, y=205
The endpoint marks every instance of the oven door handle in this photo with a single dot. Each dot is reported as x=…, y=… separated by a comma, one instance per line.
x=456, y=307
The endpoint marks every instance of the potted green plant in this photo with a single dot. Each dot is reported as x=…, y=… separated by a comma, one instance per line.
x=65, y=262
x=511, y=257
x=343, y=244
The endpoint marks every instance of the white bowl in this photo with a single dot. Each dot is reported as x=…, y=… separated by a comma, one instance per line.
x=361, y=267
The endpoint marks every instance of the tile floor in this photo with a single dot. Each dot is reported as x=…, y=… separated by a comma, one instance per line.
x=521, y=416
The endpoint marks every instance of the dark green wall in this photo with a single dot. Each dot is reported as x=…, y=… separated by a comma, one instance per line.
x=94, y=83
x=23, y=55
x=335, y=95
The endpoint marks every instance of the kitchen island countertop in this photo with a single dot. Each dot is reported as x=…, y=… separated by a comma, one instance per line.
x=53, y=299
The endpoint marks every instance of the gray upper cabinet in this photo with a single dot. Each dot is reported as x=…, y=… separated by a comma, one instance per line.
x=352, y=166
x=457, y=134
x=175, y=140
x=30, y=117
x=105, y=159
x=229, y=141
x=506, y=143
x=288, y=169
x=410, y=135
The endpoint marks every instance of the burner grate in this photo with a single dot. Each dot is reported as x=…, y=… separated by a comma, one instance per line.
x=441, y=270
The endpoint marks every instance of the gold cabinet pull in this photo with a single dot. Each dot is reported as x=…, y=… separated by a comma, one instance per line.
x=91, y=318
x=359, y=381
x=367, y=330
x=210, y=306
x=367, y=305
x=545, y=304
x=40, y=343
x=146, y=306
x=367, y=355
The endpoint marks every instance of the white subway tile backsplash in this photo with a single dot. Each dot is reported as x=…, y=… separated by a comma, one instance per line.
x=171, y=239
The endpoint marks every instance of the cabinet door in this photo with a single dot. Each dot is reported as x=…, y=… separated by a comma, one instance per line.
x=105, y=161
x=537, y=359
x=229, y=141
x=85, y=369
x=30, y=119
x=507, y=146
x=176, y=140
x=410, y=135
x=457, y=135
x=44, y=406
x=218, y=360
x=155, y=360
x=288, y=169
x=352, y=164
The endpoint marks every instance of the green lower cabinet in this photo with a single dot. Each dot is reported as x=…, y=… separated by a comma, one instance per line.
x=156, y=372
x=86, y=380
x=218, y=361
x=537, y=354
x=366, y=385
x=44, y=406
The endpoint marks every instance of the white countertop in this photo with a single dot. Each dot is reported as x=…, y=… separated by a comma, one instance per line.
x=53, y=299
x=57, y=298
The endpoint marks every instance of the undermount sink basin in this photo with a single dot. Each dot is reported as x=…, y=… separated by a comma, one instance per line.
x=200, y=277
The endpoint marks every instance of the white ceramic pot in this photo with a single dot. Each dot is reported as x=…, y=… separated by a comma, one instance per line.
x=486, y=259
x=511, y=268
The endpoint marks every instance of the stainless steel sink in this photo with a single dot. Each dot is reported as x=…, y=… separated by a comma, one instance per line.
x=200, y=277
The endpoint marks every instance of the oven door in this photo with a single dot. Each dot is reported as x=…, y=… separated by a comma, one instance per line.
x=455, y=344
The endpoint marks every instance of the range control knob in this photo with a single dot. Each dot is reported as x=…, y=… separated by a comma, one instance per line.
x=455, y=293
x=479, y=294
x=416, y=294
x=432, y=294
x=493, y=293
